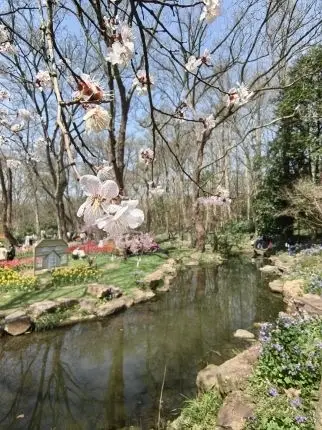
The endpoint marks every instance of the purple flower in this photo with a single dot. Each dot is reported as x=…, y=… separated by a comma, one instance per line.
x=273, y=392
x=300, y=419
x=296, y=403
x=278, y=347
x=264, y=334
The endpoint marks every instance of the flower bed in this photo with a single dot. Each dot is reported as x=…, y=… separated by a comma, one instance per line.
x=12, y=280
x=75, y=275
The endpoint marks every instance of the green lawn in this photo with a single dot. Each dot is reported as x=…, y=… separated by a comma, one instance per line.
x=125, y=274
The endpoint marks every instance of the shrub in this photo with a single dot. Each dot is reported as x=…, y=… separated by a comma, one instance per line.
x=141, y=243
x=74, y=275
x=12, y=280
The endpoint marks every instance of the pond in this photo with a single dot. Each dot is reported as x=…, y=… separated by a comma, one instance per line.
x=108, y=374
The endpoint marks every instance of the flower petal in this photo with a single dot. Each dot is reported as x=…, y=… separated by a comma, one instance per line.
x=90, y=185
x=134, y=218
x=109, y=190
x=82, y=208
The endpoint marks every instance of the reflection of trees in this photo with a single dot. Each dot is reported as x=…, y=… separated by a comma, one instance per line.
x=53, y=384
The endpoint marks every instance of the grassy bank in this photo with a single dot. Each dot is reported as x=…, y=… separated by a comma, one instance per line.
x=116, y=271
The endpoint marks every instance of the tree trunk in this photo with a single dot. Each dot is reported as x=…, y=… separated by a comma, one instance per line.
x=200, y=240
x=7, y=204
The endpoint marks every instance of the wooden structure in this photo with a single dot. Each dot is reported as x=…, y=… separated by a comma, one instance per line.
x=50, y=253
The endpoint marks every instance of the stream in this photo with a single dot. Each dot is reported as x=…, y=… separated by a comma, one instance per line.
x=108, y=374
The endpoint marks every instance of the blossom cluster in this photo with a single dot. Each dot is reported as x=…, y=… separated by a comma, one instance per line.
x=146, y=155
x=5, y=43
x=221, y=198
x=137, y=244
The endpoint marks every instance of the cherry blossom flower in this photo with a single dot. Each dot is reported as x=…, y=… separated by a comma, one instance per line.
x=141, y=82
x=210, y=122
x=239, y=95
x=99, y=196
x=193, y=62
x=24, y=114
x=91, y=91
x=105, y=172
x=13, y=164
x=111, y=25
x=221, y=198
x=97, y=119
x=4, y=95
x=17, y=127
x=122, y=49
x=120, y=218
x=43, y=80
x=5, y=44
x=146, y=156
x=210, y=10
x=156, y=190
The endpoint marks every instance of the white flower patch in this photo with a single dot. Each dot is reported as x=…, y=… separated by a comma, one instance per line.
x=122, y=49
x=239, y=95
x=221, y=198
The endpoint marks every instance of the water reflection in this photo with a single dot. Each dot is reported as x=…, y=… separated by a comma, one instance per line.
x=108, y=375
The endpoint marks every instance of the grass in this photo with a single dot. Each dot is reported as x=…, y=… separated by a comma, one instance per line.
x=199, y=413
x=51, y=320
x=118, y=272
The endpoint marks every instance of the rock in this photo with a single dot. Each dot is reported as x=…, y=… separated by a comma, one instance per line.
x=191, y=263
x=88, y=305
x=99, y=290
x=163, y=289
x=293, y=288
x=128, y=302
x=311, y=303
x=111, y=307
x=168, y=280
x=276, y=286
x=270, y=270
x=234, y=412
x=155, y=279
x=2, y=332
x=140, y=296
x=17, y=323
x=244, y=334
x=231, y=375
x=65, y=302
x=39, y=308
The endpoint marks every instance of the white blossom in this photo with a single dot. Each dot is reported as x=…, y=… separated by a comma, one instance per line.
x=99, y=196
x=4, y=95
x=105, y=173
x=5, y=44
x=146, y=155
x=89, y=90
x=156, y=191
x=210, y=122
x=17, y=127
x=221, y=198
x=122, y=49
x=120, y=218
x=193, y=62
x=239, y=95
x=13, y=164
x=111, y=25
x=97, y=119
x=210, y=10
x=140, y=82
x=43, y=80
x=24, y=114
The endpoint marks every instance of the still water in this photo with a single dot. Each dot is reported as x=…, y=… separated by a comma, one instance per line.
x=108, y=374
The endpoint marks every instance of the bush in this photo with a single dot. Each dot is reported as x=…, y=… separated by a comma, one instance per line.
x=12, y=280
x=74, y=275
